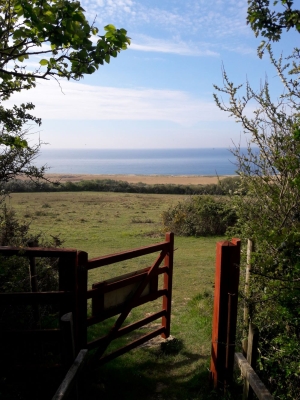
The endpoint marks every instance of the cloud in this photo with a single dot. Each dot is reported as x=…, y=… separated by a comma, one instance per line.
x=187, y=18
x=147, y=43
x=85, y=102
x=112, y=9
x=183, y=27
x=244, y=50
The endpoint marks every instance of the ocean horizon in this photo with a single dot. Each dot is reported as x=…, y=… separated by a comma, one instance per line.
x=202, y=161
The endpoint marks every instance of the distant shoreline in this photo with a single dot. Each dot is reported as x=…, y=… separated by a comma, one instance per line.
x=147, y=179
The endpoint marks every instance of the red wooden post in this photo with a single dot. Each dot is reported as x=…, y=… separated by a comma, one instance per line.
x=81, y=301
x=225, y=312
x=168, y=277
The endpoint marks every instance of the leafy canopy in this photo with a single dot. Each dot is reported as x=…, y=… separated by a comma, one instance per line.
x=43, y=39
x=56, y=36
x=269, y=21
x=269, y=213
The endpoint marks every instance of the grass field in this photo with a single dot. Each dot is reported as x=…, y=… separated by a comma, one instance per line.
x=105, y=223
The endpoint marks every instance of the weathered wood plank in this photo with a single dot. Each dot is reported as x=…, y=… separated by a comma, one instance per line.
x=250, y=249
x=251, y=358
x=70, y=379
x=68, y=343
x=248, y=373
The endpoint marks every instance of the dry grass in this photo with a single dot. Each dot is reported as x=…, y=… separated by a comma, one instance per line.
x=105, y=223
x=148, y=179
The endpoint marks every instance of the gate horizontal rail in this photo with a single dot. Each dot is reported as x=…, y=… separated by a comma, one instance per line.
x=126, y=255
x=250, y=375
x=110, y=313
x=123, y=293
x=129, y=328
x=8, y=251
x=35, y=297
x=132, y=345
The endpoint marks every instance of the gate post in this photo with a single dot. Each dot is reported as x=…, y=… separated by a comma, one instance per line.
x=81, y=301
x=68, y=280
x=168, y=277
x=225, y=312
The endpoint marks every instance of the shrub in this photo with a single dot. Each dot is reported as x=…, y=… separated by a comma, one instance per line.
x=199, y=216
x=224, y=187
x=14, y=271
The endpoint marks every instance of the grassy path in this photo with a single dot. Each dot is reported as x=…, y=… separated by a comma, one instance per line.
x=104, y=223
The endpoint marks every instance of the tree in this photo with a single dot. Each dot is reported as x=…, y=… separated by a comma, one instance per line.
x=57, y=32
x=270, y=211
x=16, y=155
x=55, y=35
x=270, y=22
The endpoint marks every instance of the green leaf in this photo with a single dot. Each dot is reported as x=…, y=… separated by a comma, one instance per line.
x=18, y=34
x=110, y=28
x=48, y=13
x=44, y=62
x=18, y=9
x=78, y=17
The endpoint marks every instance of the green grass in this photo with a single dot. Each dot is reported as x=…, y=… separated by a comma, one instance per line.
x=105, y=223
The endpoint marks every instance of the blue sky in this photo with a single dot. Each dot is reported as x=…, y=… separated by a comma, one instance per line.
x=159, y=92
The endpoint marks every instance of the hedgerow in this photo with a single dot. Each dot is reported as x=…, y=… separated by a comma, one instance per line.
x=200, y=216
x=224, y=187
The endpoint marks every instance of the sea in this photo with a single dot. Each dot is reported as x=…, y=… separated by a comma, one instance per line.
x=203, y=161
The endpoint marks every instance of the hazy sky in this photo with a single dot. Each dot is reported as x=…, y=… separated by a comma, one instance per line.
x=158, y=93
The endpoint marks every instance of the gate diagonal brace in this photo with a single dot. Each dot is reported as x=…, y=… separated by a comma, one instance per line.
x=128, y=307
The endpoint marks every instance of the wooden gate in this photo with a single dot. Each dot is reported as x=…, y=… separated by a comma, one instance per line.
x=117, y=296
x=121, y=294
x=31, y=344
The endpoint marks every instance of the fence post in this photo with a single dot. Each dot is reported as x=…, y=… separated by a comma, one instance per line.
x=68, y=281
x=33, y=282
x=81, y=301
x=68, y=345
x=168, y=277
x=250, y=248
x=251, y=358
x=225, y=312
x=33, y=275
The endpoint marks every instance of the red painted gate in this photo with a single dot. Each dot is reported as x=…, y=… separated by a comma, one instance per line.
x=123, y=293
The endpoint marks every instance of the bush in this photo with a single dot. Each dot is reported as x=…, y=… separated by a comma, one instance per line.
x=199, y=216
x=224, y=187
x=14, y=271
